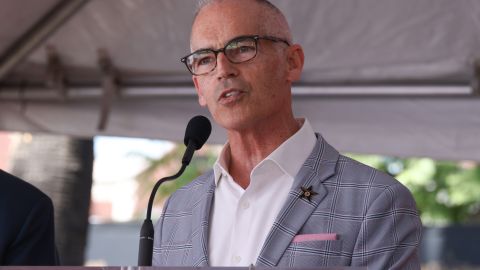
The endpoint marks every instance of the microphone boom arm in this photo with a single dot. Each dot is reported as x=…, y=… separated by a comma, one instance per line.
x=196, y=134
x=145, y=249
x=157, y=185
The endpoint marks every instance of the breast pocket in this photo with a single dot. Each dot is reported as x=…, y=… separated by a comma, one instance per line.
x=314, y=254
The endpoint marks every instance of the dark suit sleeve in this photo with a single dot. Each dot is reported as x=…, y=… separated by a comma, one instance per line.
x=390, y=232
x=35, y=241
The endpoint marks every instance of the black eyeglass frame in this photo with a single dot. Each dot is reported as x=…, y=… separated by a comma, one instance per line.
x=216, y=52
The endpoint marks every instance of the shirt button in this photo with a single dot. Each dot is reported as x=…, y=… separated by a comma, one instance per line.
x=236, y=259
x=245, y=205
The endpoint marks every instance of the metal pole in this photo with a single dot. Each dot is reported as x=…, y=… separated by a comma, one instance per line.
x=76, y=92
x=37, y=34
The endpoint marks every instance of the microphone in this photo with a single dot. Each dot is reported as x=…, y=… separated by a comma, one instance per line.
x=197, y=132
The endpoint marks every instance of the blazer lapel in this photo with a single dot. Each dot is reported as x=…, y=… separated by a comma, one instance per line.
x=318, y=167
x=200, y=220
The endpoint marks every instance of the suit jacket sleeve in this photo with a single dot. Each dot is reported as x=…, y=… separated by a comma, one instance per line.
x=157, y=240
x=390, y=232
x=35, y=241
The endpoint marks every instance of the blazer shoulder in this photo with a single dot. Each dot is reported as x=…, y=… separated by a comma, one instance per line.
x=198, y=182
x=15, y=189
x=381, y=186
x=193, y=190
x=28, y=232
x=352, y=169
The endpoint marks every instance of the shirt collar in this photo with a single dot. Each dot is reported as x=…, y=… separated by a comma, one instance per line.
x=293, y=152
x=289, y=156
x=219, y=168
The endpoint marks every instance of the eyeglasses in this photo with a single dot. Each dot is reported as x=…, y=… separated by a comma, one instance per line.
x=237, y=50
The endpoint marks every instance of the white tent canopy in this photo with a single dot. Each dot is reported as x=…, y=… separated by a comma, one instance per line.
x=381, y=76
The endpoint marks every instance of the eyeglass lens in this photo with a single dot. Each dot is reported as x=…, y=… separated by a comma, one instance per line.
x=236, y=51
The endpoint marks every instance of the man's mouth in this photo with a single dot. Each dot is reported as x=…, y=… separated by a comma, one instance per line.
x=230, y=95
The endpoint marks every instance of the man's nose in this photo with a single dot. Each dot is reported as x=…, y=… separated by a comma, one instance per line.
x=225, y=68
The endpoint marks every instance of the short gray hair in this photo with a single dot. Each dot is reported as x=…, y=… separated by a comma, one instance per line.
x=203, y=3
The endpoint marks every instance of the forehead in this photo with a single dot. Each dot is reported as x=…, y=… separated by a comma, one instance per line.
x=219, y=22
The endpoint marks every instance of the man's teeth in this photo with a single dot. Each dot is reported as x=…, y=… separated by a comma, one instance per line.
x=233, y=93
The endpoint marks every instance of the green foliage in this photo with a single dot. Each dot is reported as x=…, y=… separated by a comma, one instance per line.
x=199, y=165
x=169, y=164
x=445, y=192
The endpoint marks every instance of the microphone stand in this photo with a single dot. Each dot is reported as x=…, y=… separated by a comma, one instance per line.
x=145, y=249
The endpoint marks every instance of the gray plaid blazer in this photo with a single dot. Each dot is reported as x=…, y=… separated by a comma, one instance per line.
x=372, y=217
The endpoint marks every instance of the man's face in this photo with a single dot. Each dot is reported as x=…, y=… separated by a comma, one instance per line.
x=244, y=94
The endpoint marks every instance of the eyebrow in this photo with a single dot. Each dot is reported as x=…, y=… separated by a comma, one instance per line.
x=203, y=50
x=225, y=44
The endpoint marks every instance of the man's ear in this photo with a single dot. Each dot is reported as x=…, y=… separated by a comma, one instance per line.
x=295, y=60
x=201, y=99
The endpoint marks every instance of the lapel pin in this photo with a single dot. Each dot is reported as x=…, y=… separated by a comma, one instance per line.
x=307, y=193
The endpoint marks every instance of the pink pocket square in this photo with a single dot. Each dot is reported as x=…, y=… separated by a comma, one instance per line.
x=315, y=237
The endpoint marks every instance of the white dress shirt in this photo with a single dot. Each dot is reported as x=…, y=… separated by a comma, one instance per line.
x=242, y=218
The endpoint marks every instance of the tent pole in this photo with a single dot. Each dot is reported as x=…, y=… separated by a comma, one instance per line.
x=476, y=78
x=40, y=31
x=76, y=92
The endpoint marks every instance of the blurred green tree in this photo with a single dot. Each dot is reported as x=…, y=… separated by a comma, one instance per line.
x=445, y=192
x=169, y=164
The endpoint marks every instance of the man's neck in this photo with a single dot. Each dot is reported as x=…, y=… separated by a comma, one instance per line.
x=249, y=147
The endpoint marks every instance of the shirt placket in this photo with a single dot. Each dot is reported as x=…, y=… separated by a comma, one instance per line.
x=241, y=230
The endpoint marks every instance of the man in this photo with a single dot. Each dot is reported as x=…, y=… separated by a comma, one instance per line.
x=279, y=194
x=26, y=224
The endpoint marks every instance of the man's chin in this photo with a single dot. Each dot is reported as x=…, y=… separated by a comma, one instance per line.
x=239, y=124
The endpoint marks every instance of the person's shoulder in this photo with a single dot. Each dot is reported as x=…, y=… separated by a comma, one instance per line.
x=14, y=187
x=380, y=184
x=198, y=182
x=194, y=189
x=351, y=169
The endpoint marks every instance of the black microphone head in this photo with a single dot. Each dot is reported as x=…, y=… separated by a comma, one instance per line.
x=198, y=130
